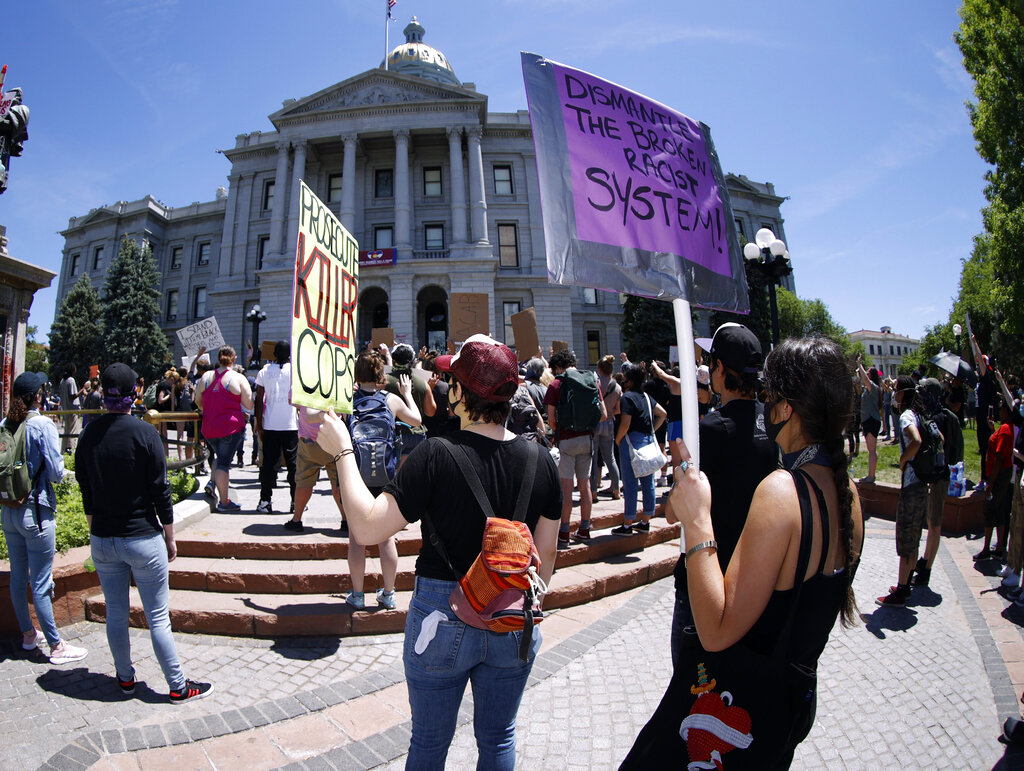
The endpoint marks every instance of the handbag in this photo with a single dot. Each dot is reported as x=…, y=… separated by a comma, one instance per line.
x=648, y=458
x=737, y=708
x=502, y=590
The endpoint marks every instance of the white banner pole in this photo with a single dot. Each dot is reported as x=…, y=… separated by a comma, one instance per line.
x=687, y=384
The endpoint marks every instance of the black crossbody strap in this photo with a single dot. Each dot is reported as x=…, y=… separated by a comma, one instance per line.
x=826, y=529
x=803, y=559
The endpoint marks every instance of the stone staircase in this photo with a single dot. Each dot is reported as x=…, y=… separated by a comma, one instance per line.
x=244, y=575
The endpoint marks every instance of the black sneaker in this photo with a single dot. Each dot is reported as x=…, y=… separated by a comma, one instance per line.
x=641, y=527
x=622, y=530
x=190, y=692
x=294, y=526
x=127, y=686
x=563, y=540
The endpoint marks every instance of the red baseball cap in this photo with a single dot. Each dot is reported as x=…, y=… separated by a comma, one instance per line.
x=485, y=367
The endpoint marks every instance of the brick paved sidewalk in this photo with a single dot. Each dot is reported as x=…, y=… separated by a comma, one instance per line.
x=923, y=687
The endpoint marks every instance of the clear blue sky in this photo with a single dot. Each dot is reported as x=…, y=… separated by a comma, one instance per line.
x=854, y=110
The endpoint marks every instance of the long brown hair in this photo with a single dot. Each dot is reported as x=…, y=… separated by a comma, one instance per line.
x=811, y=375
x=18, y=411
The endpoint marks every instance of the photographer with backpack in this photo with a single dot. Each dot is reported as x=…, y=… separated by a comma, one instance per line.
x=30, y=463
x=442, y=651
x=372, y=427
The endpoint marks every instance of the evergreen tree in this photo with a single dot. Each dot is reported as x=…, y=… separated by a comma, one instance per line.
x=131, y=307
x=76, y=335
x=759, y=319
x=648, y=328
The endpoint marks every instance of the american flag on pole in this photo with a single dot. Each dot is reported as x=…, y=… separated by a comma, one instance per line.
x=391, y=4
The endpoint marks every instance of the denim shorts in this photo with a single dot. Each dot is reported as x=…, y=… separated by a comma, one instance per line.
x=226, y=447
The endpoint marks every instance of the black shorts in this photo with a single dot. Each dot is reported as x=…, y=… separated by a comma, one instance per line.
x=871, y=426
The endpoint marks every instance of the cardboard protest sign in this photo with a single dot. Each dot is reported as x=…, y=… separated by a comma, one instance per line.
x=469, y=315
x=94, y=371
x=559, y=345
x=673, y=354
x=324, y=297
x=524, y=329
x=633, y=193
x=202, y=333
x=267, y=350
x=385, y=335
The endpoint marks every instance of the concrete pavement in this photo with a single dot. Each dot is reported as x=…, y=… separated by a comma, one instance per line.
x=922, y=687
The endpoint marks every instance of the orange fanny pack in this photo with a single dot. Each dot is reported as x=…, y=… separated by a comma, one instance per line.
x=502, y=590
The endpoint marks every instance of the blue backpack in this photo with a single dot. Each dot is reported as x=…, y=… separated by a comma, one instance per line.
x=372, y=425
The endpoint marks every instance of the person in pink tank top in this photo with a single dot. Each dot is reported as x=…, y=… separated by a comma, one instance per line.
x=221, y=394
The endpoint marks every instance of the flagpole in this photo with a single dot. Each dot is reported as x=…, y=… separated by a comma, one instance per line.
x=687, y=385
x=387, y=25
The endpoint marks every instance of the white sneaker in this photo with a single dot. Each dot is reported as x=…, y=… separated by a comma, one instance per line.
x=263, y=507
x=38, y=640
x=66, y=654
x=1004, y=571
x=1010, y=580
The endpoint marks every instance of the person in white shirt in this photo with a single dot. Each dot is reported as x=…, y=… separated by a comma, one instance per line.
x=276, y=423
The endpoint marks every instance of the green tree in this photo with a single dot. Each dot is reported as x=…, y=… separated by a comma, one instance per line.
x=806, y=318
x=131, y=306
x=36, y=358
x=648, y=328
x=76, y=335
x=991, y=39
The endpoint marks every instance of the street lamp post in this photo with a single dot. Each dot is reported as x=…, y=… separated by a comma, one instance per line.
x=769, y=255
x=256, y=317
x=957, y=329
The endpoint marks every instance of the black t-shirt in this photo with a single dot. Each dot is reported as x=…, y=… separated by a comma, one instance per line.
x=163, y=390
x=988, y=393
x=735, y=454
x=430, y=483
x=437, y=424
x=635, y=405
x=121, y=468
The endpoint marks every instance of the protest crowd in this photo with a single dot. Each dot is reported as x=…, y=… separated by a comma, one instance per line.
x=438, y=437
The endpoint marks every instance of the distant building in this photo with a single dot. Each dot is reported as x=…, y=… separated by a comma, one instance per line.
x=19, y=281
x=417, y=169
x=885, y=348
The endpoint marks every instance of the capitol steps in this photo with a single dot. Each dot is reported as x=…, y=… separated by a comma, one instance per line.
x=244, y=575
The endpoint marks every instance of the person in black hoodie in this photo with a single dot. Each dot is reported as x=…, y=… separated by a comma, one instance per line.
x=122, y=471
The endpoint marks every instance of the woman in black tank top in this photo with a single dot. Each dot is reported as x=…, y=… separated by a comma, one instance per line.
x=811, y=502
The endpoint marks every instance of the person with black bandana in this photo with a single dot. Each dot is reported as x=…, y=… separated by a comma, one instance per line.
x=736, y=452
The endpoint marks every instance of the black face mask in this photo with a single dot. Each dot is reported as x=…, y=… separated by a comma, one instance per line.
x=771, y=427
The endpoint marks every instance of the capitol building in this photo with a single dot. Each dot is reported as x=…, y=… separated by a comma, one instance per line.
x=441, y=195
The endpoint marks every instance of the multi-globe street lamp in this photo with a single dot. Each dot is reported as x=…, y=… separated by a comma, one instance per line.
x=769, y=255
x=256, y=317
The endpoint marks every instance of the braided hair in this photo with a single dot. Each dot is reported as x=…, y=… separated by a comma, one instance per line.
x=811, y=374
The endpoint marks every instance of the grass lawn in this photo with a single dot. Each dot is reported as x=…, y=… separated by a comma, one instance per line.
x=889, y=454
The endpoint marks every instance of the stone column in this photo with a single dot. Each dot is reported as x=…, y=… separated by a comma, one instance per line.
x=458, y=185
x=402, y=305
x=348, y=183
x=227, y=240
x=477, y=197
x=243, y=191
x=298, y=172
x=278, y=211
x=403, y=235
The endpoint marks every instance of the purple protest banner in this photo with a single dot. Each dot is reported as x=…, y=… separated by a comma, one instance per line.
x=632, y=192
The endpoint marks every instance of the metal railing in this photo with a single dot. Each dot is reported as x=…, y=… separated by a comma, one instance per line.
x=430, y=254
x=154, y=418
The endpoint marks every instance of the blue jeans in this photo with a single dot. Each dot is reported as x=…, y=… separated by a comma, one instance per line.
x=629, y=480
x=437, y=678
x=31, y=550
x=143, y=558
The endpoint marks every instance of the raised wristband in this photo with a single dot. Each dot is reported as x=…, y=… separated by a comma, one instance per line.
x=343, y=453
x=698, y=547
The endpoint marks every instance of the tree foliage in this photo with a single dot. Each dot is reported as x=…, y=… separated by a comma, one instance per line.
x=76, y=335
x=36, y=357
x=131, y=305
x=991, y=39
x=809, y=318
x=648, y=328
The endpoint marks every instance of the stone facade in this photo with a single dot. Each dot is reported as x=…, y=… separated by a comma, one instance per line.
x=408, y=158
x=19, y=281
x=885, y=348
